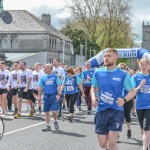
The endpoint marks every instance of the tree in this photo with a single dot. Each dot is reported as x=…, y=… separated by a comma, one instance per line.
x=78, y=38
x=87, y=12
x=116, y=24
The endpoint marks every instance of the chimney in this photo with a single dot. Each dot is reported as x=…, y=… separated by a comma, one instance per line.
x=1, y=6
x=46, y=18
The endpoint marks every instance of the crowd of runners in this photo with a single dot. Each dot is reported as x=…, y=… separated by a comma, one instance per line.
x=117, y=92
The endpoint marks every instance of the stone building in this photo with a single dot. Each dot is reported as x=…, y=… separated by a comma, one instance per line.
x=26, y=37
x=146, y=36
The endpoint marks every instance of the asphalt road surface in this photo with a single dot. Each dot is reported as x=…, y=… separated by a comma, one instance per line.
x=26, y=134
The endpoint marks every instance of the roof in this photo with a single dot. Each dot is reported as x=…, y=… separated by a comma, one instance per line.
x=24, y=21
x=18, y=56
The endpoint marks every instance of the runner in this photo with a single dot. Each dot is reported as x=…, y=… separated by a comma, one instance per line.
x=109, y=115
x=59, y=71
x=141, y=82
x=127, y=106
x=25, y=89
x=14, y=84
x=79, y=99
x=86, y=76
x=71, y=84
x=4, y=76
x=50, y=84
x=37, y=75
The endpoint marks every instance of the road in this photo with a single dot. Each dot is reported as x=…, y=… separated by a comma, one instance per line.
x=25, y=134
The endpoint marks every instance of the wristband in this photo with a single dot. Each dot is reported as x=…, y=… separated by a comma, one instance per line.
x=59, y=94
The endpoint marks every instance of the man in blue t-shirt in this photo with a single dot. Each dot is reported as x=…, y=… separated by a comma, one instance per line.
x=50, y=84
x=87, y=78
x=110, y=81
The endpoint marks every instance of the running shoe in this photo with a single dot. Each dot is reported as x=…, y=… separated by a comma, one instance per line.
x=17, y=116
x=133, y=114
x=89, y=112
x=47, y=128
x=15, y=112
x=56, y=125
x=70, y=119
x=31, y=114
x=128, y=134
x=40, y=112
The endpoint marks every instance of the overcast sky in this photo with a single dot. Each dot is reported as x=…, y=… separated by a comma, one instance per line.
x=141, y=11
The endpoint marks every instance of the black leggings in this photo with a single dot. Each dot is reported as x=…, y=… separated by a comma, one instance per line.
x=71, y=99
x=127, y=110
x=144, y=118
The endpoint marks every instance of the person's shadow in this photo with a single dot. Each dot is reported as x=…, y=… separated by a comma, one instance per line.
x=138, y=142
x=68, y=133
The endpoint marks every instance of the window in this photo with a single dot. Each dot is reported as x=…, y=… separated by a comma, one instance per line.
x=55, y=44
x=50, y=43
x=3, y=42
x=14, y=42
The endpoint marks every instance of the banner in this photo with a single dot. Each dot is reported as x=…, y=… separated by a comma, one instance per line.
x=98, y=59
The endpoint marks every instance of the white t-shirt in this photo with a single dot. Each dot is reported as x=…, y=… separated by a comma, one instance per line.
x=13, y=78
x=4, y=76
x=24, y=76
x=59, y=71
x=36, y=78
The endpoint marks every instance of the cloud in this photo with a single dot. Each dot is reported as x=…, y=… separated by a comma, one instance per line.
x=27, y=4
x=141, y=12
x=56, y=8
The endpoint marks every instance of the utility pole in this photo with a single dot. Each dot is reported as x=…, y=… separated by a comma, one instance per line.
x=90, y=52
x=85, y=47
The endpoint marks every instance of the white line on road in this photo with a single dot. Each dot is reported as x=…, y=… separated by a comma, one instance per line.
x=11, y=132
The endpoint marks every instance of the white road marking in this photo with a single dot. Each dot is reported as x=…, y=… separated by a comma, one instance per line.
x=21, y=129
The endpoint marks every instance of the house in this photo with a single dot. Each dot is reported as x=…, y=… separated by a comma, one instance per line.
x=25, y=37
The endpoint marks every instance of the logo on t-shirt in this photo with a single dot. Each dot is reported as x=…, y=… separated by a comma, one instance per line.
x=35, y=78
x=14, y=77
x=2, y=77
x=23, y=79
x=116, y=79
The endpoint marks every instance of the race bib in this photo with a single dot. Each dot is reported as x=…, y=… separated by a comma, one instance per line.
x=87, y=81
x=70, y=88
x=145, y=89
x=49, y=82
x=107, y=98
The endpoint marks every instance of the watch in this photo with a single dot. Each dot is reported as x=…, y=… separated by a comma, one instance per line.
x=59, y=94
x=125, y=100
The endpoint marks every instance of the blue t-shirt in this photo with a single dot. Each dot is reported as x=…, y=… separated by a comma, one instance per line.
x=49, y=84
x=125, y=92
x=79, y=75
x=111, y=84
x=143, y=95
x=84, y=76
x=71, y=86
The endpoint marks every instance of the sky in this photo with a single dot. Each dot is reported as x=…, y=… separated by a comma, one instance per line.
x=56, y=8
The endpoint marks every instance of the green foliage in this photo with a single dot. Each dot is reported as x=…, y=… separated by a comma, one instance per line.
x=78, y=38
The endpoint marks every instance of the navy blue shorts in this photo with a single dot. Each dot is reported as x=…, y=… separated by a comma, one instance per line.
x=50, y=103
x=108, y=120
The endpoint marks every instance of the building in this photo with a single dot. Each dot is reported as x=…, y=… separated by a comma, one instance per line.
x=25, y=37
x=146, y=36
